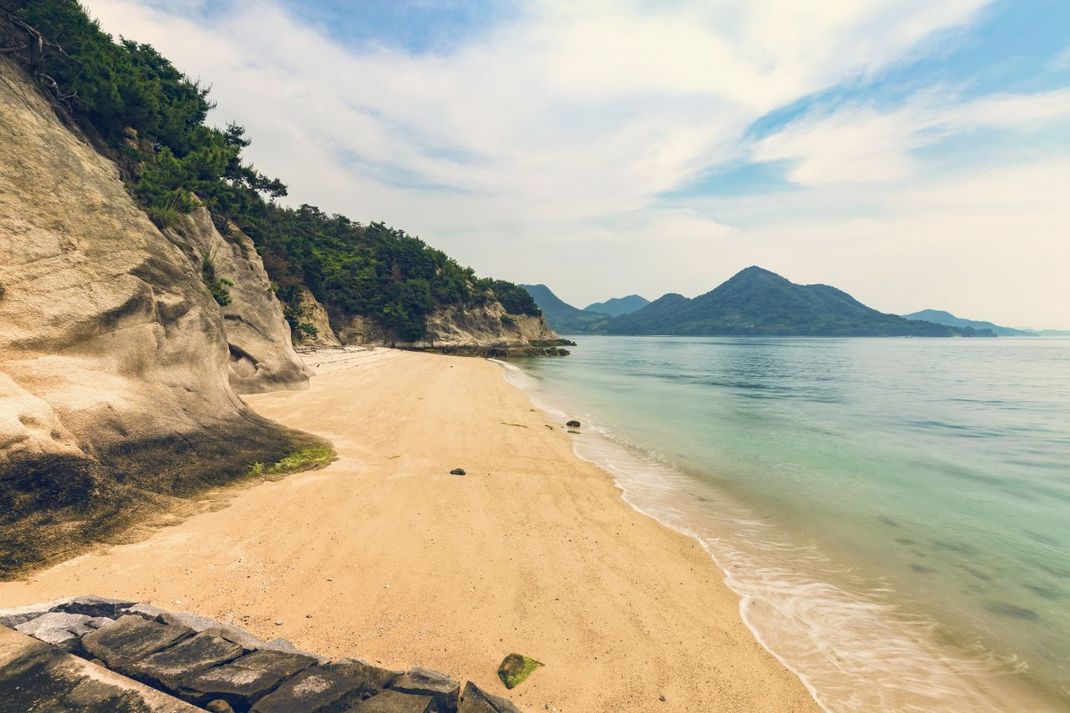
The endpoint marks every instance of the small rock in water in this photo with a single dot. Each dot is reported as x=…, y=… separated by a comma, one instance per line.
x=573, y=424
x=219, y=706
x=457, y=471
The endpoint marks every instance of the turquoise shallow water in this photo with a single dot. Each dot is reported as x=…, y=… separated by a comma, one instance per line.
x=895, y=513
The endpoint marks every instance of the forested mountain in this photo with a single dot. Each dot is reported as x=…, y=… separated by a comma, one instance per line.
x=616, y=306
x=138, y=109
x=759, y=302
x=563, y=317
x=754, y=302
x=941, y=317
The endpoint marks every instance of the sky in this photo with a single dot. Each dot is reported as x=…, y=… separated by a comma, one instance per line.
x=913, y=153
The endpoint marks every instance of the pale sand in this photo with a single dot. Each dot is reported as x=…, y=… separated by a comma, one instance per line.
x=386, y=556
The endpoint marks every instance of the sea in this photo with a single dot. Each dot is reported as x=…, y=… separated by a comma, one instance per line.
x=893, y=513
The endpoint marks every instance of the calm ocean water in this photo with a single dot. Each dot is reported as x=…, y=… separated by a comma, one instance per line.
x=895, y=513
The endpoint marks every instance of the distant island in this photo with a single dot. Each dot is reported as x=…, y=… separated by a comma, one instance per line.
x=939, y=316
x=568, y=319
x=754, y=302
x=616, y=306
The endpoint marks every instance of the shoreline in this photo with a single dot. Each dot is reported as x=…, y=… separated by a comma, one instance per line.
x=533, y=552
x=851, y=651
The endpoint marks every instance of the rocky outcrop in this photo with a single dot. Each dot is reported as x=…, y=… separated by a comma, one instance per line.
x=114, y=357
x=316, y=328
x=481, y=329
x=174, y=661
x=37, y=677
x=262, y=357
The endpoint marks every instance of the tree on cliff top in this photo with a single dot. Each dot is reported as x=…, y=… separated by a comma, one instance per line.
x=151, y=119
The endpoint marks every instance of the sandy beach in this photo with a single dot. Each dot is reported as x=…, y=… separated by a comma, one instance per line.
x=386, y=556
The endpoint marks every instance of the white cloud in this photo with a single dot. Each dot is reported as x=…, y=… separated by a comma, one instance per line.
x=857, y=143
x=537, y=152
x=859, y=146
x=576, y=110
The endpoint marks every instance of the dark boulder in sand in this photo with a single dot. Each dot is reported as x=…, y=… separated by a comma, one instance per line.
x=330, y=687
x=457, y=471
x=394, y=702
x=573, y=424
x=425, y=682
x=475, y=700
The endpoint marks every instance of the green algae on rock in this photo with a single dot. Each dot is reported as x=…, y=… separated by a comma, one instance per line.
x=515, y=668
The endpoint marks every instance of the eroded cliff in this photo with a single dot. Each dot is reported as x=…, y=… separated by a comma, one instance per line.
x=262, y=357
x=114, y=356
x=483, y=329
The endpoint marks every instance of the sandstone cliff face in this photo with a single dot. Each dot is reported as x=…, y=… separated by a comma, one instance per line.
x=262, y=357
x=114, y=357
x=315, y=315
x=484, y=327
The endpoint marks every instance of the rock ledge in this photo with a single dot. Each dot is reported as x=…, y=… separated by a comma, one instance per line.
x=95, y=654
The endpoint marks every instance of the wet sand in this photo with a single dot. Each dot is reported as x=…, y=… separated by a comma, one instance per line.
x=386, y=556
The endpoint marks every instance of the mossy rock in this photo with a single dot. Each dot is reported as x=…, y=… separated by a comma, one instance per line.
x=515, y=668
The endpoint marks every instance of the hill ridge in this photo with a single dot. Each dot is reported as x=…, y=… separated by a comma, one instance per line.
x=754, y=301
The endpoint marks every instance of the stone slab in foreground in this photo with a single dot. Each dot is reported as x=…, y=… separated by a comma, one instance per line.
x=39, y=676
x=106, y=655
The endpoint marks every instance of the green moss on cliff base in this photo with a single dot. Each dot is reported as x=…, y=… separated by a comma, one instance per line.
x=313, y=457
x=53, y=508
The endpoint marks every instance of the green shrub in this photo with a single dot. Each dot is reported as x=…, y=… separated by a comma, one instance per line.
x=218, y=286
x=514, y=298
x=164, y=217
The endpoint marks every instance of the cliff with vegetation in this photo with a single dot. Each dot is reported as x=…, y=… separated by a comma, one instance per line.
x=115, y=362
x=147, y=277
x=144, y=114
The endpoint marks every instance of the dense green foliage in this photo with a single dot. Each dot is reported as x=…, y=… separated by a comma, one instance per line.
x=151, y=119
x=514, y=298
x=146, y=112
x=369, y=269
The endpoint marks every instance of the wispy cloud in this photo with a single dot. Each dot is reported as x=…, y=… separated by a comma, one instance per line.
x=542, y=147
x=859, y=143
